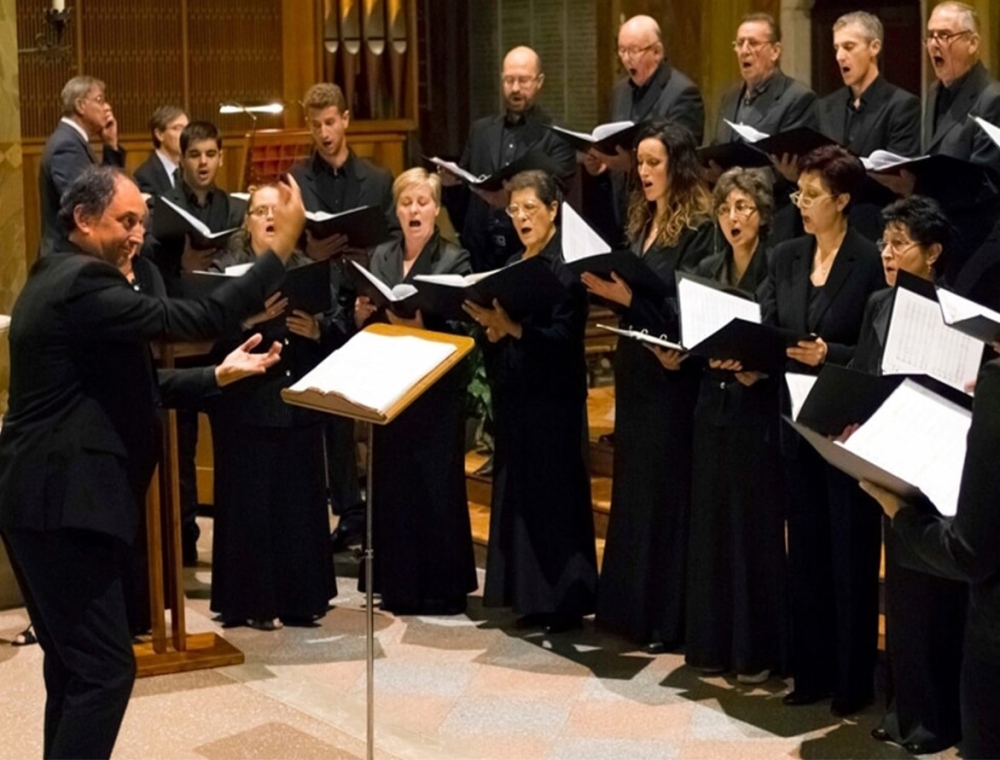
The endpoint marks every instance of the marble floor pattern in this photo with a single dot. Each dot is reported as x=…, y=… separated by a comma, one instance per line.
x=468, y=686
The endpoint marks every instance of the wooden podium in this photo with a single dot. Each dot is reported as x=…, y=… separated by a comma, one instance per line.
x=179, y=651
x=342, y=408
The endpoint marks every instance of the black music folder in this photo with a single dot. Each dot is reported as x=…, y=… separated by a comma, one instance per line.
x=757, y=347
x=842, y=397
x=605, y=138
x=535, y=158
x=402, y=299
x=171, y=221
x=794, y=142
x=522, y=289
x=738, y=153
x=365, y=226
x=969, y=317
x=626, y=265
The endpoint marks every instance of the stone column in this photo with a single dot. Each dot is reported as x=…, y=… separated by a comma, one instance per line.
x=12, y=266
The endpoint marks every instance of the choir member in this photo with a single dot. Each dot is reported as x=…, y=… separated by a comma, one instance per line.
x=493, y=143
x=336, y=179
x=271, y=556
x=924, y=614
x=818, y=286
x=424, y=561
x=964, y=548
x=653, y=89
x=736, y=608
x=159, y=173
x=670, y=228
x=541, y=558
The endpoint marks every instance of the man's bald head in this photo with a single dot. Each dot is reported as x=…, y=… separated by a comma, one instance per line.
x=522, y=78
x=640, y=48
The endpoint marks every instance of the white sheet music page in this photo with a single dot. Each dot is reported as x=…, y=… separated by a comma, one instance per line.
x=799, y=388
x=919, y=437
x=579, y=241
x=706, y=310
x=747, y=132
x=991, y=130
x=919, y=342
x=955, y=308
x=375, y=371
x=194, y=221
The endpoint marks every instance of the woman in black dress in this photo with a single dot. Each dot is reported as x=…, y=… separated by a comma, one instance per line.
x=271, y=560
x=736, y=601
x=424, y=561
x=541, y=558
x=643, y=575
x=924, y=614
x=818, y=286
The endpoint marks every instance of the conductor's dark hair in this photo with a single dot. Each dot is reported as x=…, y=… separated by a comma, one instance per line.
x=161, y=119
x=92, y=192
x=924, y=220
x=541, y=182
x=841, y=171
x=197, y=131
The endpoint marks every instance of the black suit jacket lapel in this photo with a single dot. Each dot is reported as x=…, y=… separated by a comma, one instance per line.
x=801, y=268
x=839, y=273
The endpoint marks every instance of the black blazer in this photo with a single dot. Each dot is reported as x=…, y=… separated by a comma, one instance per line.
x=82, y=430
x=785, y=105
x=964, y=547
x=65, y=157
x=874, y=330
x=152, y=177
x=890, y=119
x=956, y=134
x=855, y=275
x=670, y=95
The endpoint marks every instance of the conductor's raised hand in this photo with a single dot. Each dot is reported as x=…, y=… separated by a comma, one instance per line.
x=241, y=363
x=496, y=322
x=289, y=218
x=615, y=290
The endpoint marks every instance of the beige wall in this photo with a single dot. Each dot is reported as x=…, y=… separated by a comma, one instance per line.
x=11, y=223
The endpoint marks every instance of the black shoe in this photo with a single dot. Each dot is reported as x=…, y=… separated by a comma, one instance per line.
x=561, y=624
x=879, y=734
x=841, y=708
x=655, y=647
x=298, y=621
x=344, y=537
x=533, y=620
x=800, y=697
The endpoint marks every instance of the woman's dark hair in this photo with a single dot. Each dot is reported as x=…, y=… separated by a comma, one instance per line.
x=93, y=191
x=755, y=183
x=925, y=222
x=690, y=203
x=541, y=182
x=841, y=171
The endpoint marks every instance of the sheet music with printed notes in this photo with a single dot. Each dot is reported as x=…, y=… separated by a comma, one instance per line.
x=375, y=371
x=919, y=437
x=919, y=342
x=706, y=310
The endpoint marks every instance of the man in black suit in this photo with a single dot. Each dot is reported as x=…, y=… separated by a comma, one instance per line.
x=80, y=438
x=158, y=174
x=496, y=141
x=335, y=179
x=868, y=113
x=653, y=89
x=767, y=99
x=86, y=116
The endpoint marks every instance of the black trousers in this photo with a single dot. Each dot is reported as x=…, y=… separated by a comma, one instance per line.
x=980, y=704
x=834, y=538
x=342, y=473
x=72, y=585
x=187, y=476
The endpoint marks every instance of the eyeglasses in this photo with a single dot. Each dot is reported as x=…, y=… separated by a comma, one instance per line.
x=742, y=209
x=261, y=212
x=634, y=52
x=752, y=44
x=807, y=201
x=895, y=247
x=943, y=38
x=529, y=208
x=523, y=81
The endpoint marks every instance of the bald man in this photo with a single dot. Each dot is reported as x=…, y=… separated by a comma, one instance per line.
x=496, y=141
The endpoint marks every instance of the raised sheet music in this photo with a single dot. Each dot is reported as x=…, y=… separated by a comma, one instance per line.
x=919, y=342
x=606, y=138
x=837, y=397
x=736, y=153
x=706, y=309
x=365, y=226
x=522, y=288
x=369, y=374
x=913, y=444
x=887, y=161
x=969, y=317
x=535, y=158
x=401, y=299
x=171, y=221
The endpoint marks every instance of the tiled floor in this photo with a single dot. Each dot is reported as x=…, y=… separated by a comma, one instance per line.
x=460, y=687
